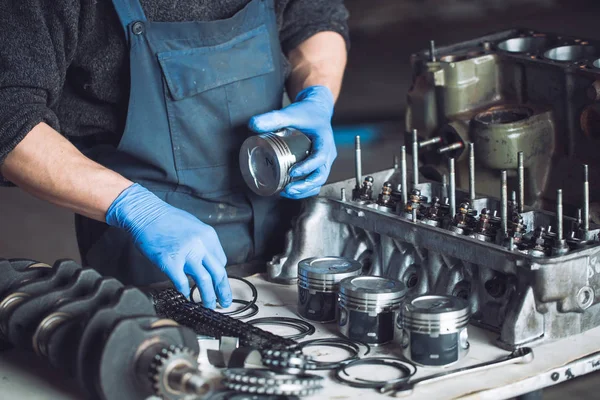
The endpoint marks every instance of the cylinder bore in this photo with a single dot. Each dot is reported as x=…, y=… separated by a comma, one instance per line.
x=523, y=44
x=504, y=115
x=571, y=53
x=596, y=63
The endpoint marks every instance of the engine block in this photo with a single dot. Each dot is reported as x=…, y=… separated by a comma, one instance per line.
x=529, y=267
x=517, y=90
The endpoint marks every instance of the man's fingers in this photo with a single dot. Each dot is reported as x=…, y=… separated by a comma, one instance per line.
x=272, y=121
x=203, y=280
x=319, y=156
x=312, y=181
x=269, y=122
x=304, y=195
x=180, y=281
x=219, y=279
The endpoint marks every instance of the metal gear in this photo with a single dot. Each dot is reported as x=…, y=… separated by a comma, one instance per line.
x=290, y=362
x=269, y=378
x=163, y=368
x=259, y=381
x=272, y=390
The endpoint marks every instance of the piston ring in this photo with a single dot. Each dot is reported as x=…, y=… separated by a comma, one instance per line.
x=253, y=308
x=407, y=369
x=340, y=343
x=303, y=327
x=247, y=304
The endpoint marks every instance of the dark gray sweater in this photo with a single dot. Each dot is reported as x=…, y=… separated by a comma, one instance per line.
x=65, y=62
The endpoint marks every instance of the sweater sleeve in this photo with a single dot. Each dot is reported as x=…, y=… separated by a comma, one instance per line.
x=39, y=38
x=301, y=19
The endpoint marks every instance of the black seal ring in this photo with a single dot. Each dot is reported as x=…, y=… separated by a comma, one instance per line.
x=304, y=328
x=340, y=343
x=247, y=304
x=253, y=308
x=407, y=369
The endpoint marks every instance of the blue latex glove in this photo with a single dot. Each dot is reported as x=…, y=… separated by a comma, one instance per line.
x=311, y=114
x=175, y=241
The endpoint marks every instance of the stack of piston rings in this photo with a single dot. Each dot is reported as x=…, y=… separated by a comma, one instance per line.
x=247, y=304
x=341, y=368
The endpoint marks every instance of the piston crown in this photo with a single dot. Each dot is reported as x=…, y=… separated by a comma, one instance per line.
x=332, y=269
x=435, y=313
x=372, y=290
x=437, y=304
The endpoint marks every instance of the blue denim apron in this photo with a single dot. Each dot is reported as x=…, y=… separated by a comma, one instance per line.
x=194, y=86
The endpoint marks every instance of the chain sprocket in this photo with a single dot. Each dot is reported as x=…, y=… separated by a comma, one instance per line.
x=168, y=359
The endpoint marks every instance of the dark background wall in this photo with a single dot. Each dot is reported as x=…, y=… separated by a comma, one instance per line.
x=386, y=32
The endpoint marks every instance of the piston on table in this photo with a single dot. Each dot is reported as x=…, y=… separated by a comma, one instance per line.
x=266, y=159
x=318, y=285
x=368, y=307
x=434, y=329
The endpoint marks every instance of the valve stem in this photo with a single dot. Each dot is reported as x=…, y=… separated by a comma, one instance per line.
x=472, y=173
x=404, y=177
x=521, y=173
x=452, y=189
x=415, y=155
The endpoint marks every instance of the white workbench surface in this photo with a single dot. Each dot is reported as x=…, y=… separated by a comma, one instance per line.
x=22, y=376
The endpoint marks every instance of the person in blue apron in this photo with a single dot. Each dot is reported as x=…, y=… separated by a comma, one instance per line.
x=167, y=198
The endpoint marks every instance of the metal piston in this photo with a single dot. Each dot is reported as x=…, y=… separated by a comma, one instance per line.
x=434, y=330
x=318, y=284
x=266, y=159
x=368, y=306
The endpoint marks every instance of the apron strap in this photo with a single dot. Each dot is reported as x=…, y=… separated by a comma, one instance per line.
x=129, y=11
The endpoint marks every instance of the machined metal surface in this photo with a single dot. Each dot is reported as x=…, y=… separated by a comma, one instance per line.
x=371, y=293
x=174, y=374
x=524, y=297
x=514, y=116
x=368, y=307
x=325, y=273
x=514, y=91
x=434, y=330
x=266, y=159
x=318, y=283
x=258, y=381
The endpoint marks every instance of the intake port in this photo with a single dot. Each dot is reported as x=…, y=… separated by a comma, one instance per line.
x=523, y=44
x=504, y=115
x=571, y=53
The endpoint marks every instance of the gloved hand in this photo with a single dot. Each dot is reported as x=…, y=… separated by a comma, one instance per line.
x=311, y=114
x=175, y=241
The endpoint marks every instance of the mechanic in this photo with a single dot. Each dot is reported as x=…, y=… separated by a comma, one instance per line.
x=152, y=172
